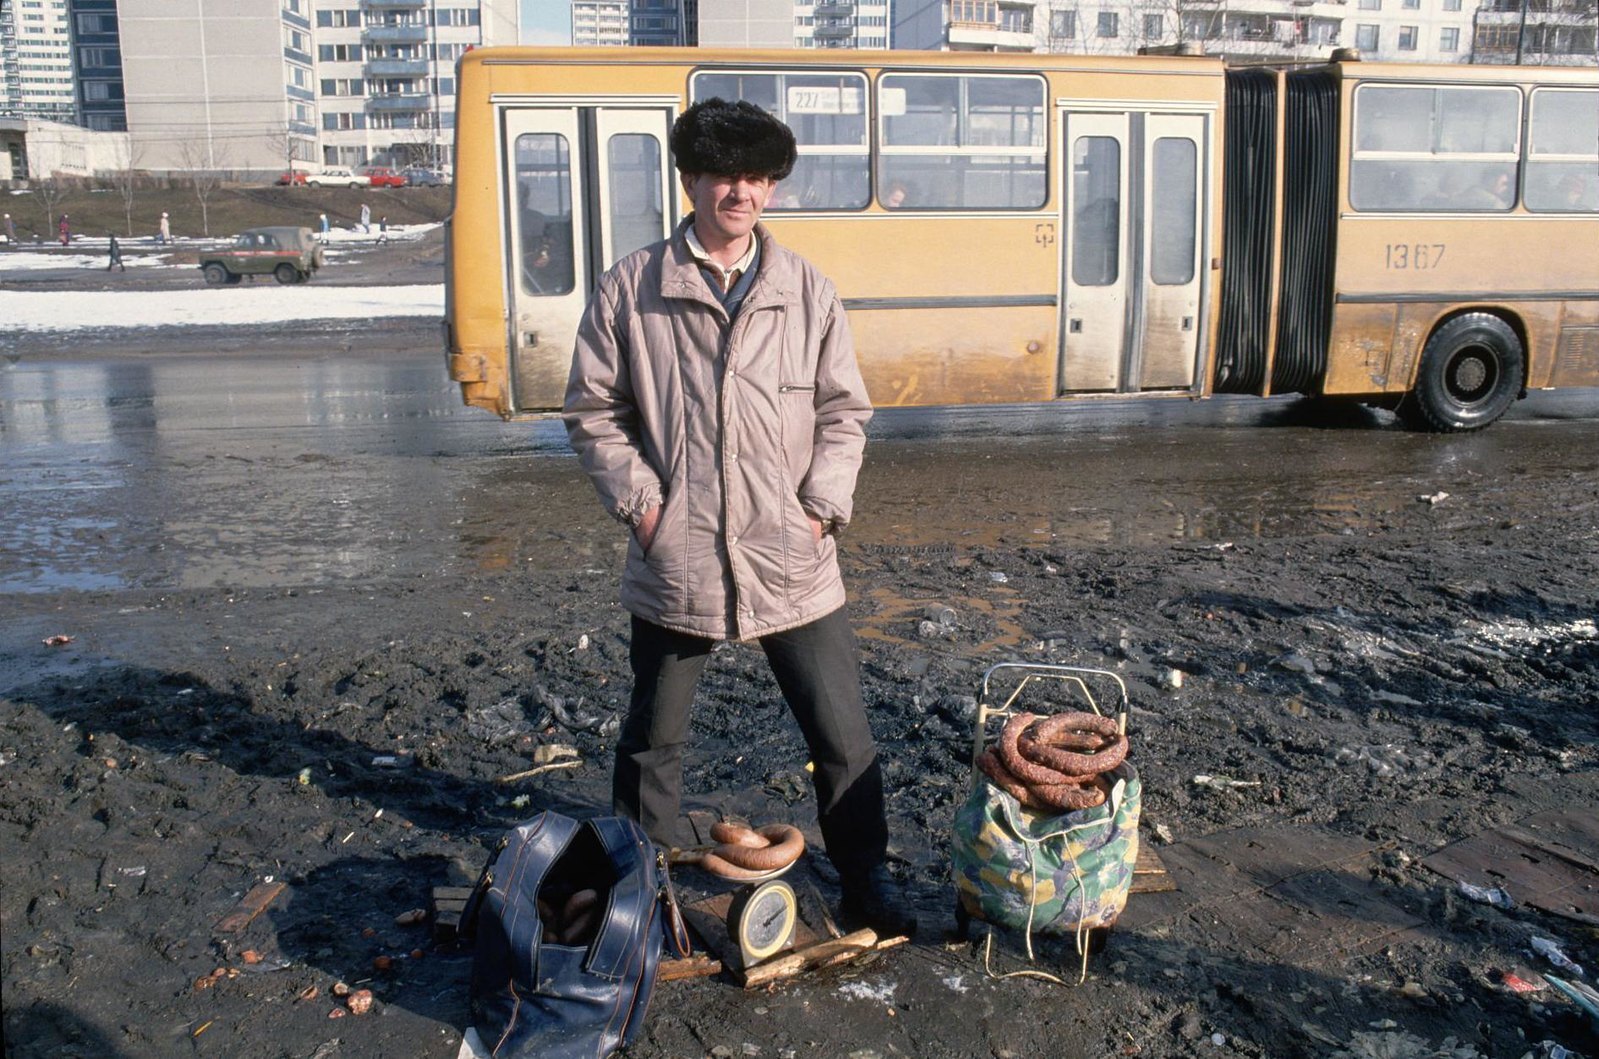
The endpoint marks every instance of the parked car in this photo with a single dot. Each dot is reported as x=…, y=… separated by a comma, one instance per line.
x=384, y=177
x=291, y=255
x=423, y=177
x=293, y=178
x=336, y=176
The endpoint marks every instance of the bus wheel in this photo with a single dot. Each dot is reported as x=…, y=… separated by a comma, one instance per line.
x=1470, y=373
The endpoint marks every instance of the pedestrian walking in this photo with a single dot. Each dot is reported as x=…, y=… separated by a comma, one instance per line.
x=64, y=229
x=383, y=228
x=323, y=218
x=116, y=254
x=731, y=450
x=164, y=236
x=11, y=231
x=366, y=217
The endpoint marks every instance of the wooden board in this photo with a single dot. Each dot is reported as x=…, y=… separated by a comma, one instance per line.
x=1293, y=893
x=250, y=905
x=1149, y=874
x=1549, y=860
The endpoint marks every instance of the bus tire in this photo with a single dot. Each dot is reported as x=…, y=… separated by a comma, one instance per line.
x=1471, y=372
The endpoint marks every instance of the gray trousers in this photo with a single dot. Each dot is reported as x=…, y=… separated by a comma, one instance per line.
x=818, y=669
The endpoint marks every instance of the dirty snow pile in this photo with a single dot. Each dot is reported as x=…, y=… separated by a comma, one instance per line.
x=81, y=310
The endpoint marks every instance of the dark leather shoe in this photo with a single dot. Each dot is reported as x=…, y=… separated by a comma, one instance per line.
x=875, y=900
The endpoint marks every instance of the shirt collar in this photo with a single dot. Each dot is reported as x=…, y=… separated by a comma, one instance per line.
x=703, y=256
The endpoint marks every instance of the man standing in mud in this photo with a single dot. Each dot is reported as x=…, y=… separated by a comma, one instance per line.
x=715, y=402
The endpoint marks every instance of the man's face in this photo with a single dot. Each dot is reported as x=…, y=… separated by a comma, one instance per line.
x=727, y=207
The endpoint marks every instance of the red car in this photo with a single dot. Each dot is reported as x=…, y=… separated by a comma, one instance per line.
x=293, y=178
x=384, y=177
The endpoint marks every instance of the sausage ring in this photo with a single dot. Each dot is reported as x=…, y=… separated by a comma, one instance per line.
x=738, y=858
x=1022, y=767
x=1044, y=747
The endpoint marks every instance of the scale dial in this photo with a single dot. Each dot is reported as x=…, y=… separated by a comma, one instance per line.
x=762, y=919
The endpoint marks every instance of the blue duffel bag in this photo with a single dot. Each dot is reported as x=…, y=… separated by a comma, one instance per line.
x=568, y=922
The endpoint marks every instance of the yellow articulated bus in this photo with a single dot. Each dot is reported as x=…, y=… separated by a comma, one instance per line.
x=1026, y=228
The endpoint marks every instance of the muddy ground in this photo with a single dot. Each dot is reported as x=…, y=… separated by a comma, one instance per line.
x=1372, y=670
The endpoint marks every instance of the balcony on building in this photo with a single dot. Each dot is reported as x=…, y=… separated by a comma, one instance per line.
x=390, y=102
x=833, y=32
x=394, y=34
x=396, y=68
x=834, y=9
x=984, y=25
x=394, y=5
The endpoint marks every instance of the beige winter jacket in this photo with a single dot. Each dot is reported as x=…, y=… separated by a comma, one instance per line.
x=740, y=432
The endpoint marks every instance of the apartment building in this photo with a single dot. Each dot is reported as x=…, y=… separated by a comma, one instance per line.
x=663, y=23
x=36, y=61
x=1552, y=32
x=1240, y=30
x=599, y=22
x=251, y=87
x=385, y=74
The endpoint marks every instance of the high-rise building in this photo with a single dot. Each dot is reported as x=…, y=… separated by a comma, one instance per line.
x=385, y=74
x=662, y=23
x=36, y=60
x=794, y=23
x=245, y=86
x=599, y=22
x=97, y=58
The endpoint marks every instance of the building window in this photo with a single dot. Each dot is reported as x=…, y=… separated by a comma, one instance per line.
x=1063, y=25
x=1109, y=24
x=1015, y=19
x=339, y=53
x=1451, y=5
x=1371, y=5
x=100, y=56
x=1449, y=39
x=1410, y=5
x=1407, y=38
x=1154, y=27
x=1366, y=37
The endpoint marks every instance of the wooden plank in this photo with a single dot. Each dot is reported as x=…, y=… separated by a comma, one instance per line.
x=250, y=905
x=780, y=967
x=696, y=965
x=1149, y=873
x=1547, y=861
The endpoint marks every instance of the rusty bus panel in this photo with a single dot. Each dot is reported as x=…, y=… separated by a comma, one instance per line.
x=935, y=356
x=1364, y=357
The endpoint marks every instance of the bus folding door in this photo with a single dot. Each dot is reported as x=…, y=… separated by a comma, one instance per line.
x=1135, y=202
x=586, y=185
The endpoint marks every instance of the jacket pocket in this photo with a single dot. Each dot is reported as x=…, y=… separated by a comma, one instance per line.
x=797, y=387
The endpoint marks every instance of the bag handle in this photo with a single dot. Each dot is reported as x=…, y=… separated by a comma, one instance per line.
x=542, y=840
x=628, y=911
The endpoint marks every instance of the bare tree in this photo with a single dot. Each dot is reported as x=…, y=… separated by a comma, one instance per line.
x=125, y=178
x=50, y=190
x=290, y=145
x=206, y=165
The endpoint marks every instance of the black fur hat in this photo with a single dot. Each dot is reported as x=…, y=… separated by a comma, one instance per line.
x=732, y=139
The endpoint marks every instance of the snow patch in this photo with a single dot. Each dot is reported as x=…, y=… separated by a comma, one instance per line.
x=883, y=992
x=55, y=311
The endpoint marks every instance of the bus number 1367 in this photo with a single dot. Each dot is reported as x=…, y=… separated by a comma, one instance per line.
x=1413, y=255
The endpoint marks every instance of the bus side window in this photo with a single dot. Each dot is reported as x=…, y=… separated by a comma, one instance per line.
x=1563, y=151
x=964, y=141
x=544, y=200
x=826, y=111
x=1435, y=148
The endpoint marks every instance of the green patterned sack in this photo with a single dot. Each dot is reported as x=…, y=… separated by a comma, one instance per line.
x=1046, y=872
